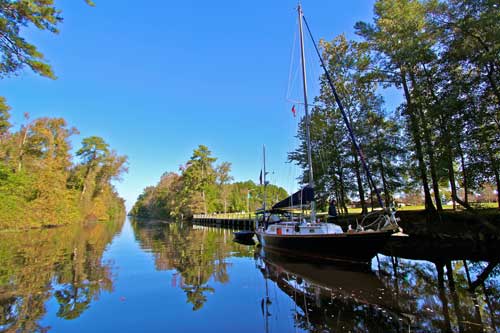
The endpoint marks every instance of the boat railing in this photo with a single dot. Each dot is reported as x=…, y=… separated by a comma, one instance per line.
x=379, y=220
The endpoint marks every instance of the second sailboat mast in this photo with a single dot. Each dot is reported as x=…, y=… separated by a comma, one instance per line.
x=306, y=108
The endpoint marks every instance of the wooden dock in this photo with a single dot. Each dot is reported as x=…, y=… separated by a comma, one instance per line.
x=239, y=221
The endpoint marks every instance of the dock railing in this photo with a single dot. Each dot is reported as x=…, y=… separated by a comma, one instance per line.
x=226, y=216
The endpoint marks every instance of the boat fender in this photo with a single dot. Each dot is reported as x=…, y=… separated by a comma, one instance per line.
x=297, y=228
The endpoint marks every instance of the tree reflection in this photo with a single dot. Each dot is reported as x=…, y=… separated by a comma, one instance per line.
x=428, y=295
x=63, y=262
x=445, y=295
x=331, y=298
x=198, y=254
x=421, y=296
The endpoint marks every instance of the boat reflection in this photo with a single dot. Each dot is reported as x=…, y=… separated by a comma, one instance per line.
x=400, y=295
x=332, y=298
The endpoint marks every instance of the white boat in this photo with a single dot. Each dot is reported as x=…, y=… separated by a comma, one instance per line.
x=307, y=236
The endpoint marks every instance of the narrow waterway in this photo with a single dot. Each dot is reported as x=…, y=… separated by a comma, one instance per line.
x=150, y=276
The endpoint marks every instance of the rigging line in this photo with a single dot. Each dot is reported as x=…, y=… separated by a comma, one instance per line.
x=302, y=103
x=346, y=121
x=292, y=146
x=291, y=64
x=293, y=80
x=313, y=75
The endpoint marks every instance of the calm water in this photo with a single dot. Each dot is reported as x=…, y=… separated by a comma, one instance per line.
x=157, y=277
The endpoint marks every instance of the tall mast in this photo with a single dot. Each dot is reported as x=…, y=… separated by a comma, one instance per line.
x=306, y=108
x=264, y=178
x=346, y=120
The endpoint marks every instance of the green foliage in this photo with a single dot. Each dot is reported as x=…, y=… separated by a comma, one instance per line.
x=445, y=138
x=337, y=167
x=4, y=116
x=15, y=51
x=40, y=186
x=201, y=188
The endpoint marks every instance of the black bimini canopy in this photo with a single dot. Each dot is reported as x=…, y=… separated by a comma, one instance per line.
x=299, y=198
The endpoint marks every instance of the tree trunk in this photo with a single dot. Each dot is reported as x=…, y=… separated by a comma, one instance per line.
x=477, y=311
x=494, y=167
x=342, y=192
x=372, y=206
x=432, y=165
x=414, y=128
x=493, y=84
x=21, y=149
x=87, y=173
x=497, y=179
x=387, y=195
x=464, y=175
x=204, y=202
x=361, y=190
x=484, y=275
x=84, y=188
x=428, y=146
x=442, y=296
x=336, y=191
x=454, y=296
x=490, y=308
x=451, y=177
x=395, y=265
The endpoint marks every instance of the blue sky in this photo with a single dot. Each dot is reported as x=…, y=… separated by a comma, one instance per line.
x=157, y=78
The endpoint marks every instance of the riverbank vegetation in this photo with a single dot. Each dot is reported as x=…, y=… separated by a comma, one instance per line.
x=201, y=187
x=442, y=144
x=40, y=184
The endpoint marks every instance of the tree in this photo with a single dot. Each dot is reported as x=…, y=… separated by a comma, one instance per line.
x=15, y=51
x=223, y=178
x=404, y=44
x=93, y=152
x=337, y=166
x=198, y=176
x=200, y=187
x=4, y=117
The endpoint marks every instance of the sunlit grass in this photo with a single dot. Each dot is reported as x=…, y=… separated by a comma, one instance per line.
x=353, y=211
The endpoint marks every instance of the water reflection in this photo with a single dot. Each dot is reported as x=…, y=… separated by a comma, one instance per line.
x=332, y=298
x=64, y=263
x=445, y=296
x=399, y=294
x=167, y=271
x=402, y=295
x=198, y=254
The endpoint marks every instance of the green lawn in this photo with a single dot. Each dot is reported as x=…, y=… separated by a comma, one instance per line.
x=355, y=211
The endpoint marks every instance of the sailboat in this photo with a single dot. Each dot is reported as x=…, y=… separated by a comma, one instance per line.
x=277, y=229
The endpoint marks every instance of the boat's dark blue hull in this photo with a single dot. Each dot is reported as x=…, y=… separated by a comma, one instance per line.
x=359, y=247
x=243, y=236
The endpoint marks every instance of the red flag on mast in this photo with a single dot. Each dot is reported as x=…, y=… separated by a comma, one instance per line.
x=293, y=111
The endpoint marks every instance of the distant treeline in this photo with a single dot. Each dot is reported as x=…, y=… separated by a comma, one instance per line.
x=201, y=187
x=41, y=186
x=443, y=141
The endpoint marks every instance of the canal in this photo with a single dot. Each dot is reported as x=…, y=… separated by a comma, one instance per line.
x=153, y=276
